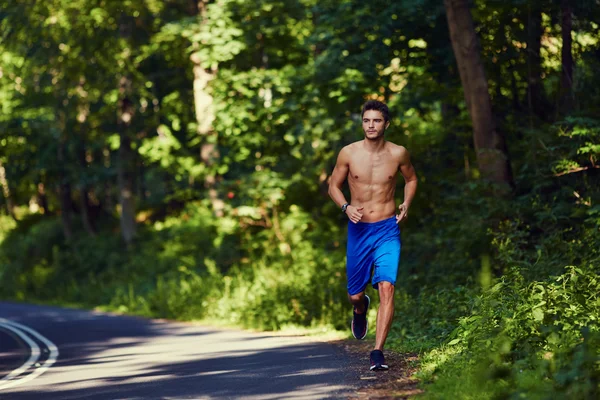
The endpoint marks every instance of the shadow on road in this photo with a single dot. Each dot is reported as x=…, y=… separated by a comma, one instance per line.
x=117, y=357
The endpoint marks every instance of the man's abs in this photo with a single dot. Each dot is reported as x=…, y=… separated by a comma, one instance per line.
x=376, y=198
x=372, y=182
x=375, y=211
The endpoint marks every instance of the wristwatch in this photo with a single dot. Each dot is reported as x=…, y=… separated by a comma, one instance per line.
x=344, y=207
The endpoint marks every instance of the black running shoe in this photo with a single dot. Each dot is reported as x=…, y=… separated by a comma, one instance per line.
x=378, y=361
x=360, y=326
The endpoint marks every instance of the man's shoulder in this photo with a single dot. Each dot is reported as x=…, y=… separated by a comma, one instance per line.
x=396, y=149
x=352, y=146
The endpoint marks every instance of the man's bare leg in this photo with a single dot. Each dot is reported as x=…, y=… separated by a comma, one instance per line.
x=358, y=301
x=385, y=314
x=360, y=325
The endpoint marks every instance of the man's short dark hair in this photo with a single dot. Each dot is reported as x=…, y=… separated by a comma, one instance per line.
x=377, y=106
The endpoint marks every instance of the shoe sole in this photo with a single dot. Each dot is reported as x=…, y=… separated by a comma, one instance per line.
x=367, y=322
x=379, y=367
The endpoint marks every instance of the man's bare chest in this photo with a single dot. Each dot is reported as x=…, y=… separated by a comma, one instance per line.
x=373, y=169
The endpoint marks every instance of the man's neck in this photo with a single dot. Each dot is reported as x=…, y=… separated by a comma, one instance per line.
x=374, y=146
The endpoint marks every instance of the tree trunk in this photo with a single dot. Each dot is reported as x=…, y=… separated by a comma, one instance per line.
x=514, y=89
x=66, y=206
x=141, y=179
x=10, y=207
x=108, y=203
x=489, y=143
x=126, y=166
x=125, y=181
x=203, y=105
x=535, y=90
x=64, y=190
x=566, y=82
x=84, y=201
x=42, y=199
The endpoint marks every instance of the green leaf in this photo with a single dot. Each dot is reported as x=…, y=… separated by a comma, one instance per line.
x=538, y=314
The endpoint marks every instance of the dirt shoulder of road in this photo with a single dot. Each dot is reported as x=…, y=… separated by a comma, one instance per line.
x=396, y=383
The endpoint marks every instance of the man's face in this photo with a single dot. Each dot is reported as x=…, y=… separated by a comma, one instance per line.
x=374, y=124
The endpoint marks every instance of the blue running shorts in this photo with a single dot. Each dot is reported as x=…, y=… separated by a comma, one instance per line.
x=372, y=245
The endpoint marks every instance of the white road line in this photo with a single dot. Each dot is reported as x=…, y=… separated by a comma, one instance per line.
x=40, y=370
x=33, y=357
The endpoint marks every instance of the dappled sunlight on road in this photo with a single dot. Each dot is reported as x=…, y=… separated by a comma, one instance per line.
x=123, y=357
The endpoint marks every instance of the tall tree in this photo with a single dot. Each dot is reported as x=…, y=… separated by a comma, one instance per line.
x=10, y=207
x=490, y=146
x=84, y=200
x=203, y=106
x=84, y=187
x=535, y=89
x=566, y=81
x=64, y=182
x=42, y=198
x=125, y=154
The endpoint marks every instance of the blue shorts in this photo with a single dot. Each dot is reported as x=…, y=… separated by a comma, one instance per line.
x=372, y=244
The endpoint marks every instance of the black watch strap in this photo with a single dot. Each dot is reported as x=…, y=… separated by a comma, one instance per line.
x=344, y=207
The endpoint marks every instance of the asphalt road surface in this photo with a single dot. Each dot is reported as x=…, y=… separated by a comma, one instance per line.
x=55, y=353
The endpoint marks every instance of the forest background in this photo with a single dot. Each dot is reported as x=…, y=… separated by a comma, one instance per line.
x=171, y=159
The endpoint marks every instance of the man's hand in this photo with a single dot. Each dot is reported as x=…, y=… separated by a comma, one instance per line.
x=403, y=213
x=354, y=213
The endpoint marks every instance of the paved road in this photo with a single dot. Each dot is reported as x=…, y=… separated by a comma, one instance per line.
x=102, y=356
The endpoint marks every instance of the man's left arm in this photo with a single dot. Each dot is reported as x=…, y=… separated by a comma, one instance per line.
x=410, y=187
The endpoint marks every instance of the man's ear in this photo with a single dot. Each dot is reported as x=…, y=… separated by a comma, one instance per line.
x=387, y=124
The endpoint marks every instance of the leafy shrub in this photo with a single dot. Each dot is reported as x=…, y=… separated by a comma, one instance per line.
x=296, y=281
x=525, y=339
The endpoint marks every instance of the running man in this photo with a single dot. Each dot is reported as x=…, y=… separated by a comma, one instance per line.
x=371, y=166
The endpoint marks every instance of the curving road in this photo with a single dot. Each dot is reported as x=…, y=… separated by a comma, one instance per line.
x=103, y=356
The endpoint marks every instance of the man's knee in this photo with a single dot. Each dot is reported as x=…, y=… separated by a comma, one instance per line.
x=386, y=290
x=356, y=298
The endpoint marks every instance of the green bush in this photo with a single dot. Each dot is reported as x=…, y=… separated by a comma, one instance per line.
x=190, y=266
x=294, y=281
x=525, y=340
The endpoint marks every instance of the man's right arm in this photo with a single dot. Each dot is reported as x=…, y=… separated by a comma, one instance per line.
x=339, y=175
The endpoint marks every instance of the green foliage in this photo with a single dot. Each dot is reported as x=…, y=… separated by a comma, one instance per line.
x=525, y=339
x=7, y=224
x=277, y=287
x=188, y=266
x=29, y=248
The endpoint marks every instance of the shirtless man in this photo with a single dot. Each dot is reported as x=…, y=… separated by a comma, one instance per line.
x=371, y=166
